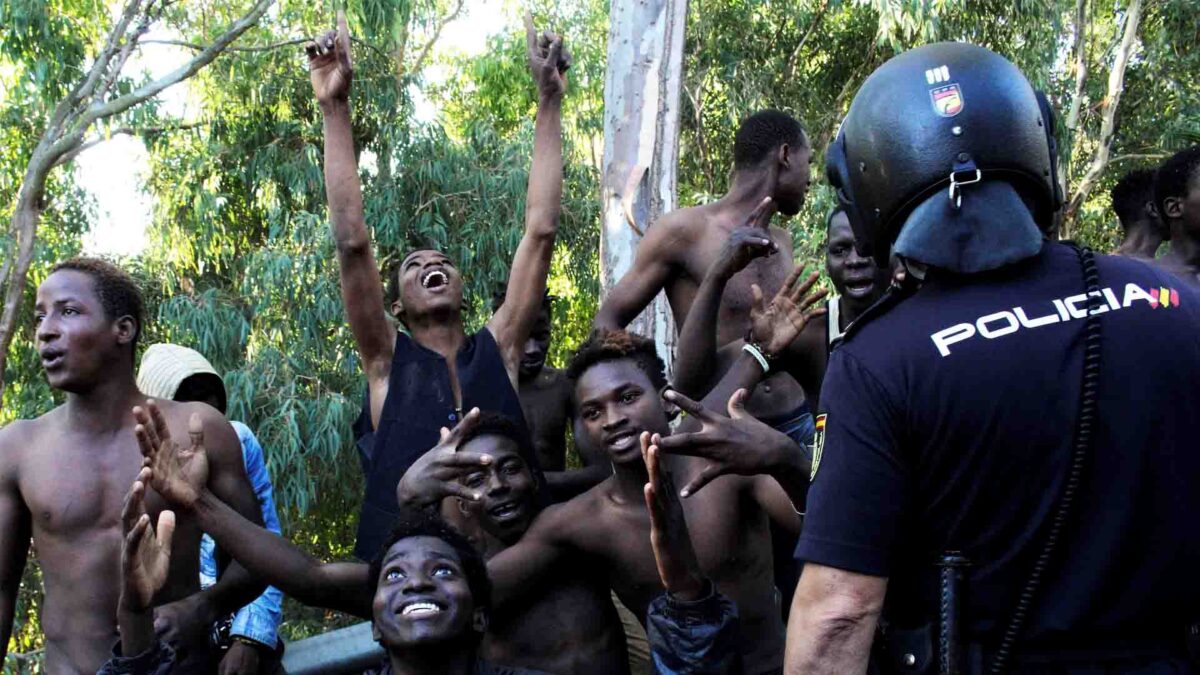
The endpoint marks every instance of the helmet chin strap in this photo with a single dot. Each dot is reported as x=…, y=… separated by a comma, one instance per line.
x=980, y=228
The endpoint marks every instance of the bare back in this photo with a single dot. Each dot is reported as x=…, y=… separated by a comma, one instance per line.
x=73, y=485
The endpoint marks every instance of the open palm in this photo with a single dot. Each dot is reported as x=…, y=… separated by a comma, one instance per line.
x=146, y=554
x=179, y=474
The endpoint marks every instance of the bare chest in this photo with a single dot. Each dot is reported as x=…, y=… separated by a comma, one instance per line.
x=767, y=273
x=72, y=486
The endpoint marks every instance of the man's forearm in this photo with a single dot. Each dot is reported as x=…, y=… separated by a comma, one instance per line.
x=696, y=355
x=257, y=551
x=833, y=620
x=543, y=199
x=342, y=188
x=136, y=630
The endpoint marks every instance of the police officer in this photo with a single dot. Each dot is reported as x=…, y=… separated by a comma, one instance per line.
x=1007, y=454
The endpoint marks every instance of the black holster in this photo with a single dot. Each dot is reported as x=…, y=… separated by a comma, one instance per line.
x=936, y=646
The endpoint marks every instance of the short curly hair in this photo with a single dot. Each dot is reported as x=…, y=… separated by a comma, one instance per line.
x=1131, y=194
x=414, y=523
x=763, y=132
x=614, y=345
x=118, y=293
x=1172, y=178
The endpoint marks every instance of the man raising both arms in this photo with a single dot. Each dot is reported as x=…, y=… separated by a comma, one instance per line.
x=64, y=474
x=422, y=381
x=771, y=159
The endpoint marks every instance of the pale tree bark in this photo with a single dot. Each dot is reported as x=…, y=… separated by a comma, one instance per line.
x=641, y=142
x=1079, y=49
x=66, y=131
x=1108, y=115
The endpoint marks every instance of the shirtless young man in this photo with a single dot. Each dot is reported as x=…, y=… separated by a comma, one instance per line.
x=546, y=399
x=619, y=380
x=570, y=625
x=1177, y=193
x=690, y=625
x=858, y=281
x=425, y=379
x=1143, y=231
x=771, y=159
x=63, y=477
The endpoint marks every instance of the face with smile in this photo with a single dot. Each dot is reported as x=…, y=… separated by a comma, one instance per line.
x=423, y=597
x=505, y=508
x=76, y=339
x=617, y=402
x=857, y=279
x=429, y=283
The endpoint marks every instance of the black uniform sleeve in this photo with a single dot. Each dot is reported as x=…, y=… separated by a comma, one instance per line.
x=859, y=484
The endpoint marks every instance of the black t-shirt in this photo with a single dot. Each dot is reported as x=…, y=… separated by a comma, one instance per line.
x=947, y=424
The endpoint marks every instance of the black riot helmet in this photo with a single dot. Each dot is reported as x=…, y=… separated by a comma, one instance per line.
x=947, y=154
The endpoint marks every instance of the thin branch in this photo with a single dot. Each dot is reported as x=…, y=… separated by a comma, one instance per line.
x=205, y=57
x=100, y=66
x=812, y=28
x=1072, y=138
x=255, y=48
x=1155, y=156
x=124, y=131
x=424, y=53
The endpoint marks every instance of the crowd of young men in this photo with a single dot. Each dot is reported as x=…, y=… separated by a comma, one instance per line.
x=480, y=550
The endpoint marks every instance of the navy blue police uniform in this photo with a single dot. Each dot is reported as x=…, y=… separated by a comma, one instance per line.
x=946, y=424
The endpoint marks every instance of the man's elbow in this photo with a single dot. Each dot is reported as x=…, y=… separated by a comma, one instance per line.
x=541, y=226
x=352, y=245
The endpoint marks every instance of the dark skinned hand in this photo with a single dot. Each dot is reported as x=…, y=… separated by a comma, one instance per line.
x=776, y=326
x=146, y=554
x=673, y=552
x=549, y=60
x=749, y=241
x=178, y=474
x=241, y=659
x=739, y=444
x=436, y=474
x=329, y=65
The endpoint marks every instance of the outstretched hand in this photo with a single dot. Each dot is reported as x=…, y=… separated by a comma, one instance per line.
x=738, y=444
x=673, y=552
x=178, y=474
x=549, y=60
x=776, y=325
x=329, y=65
x=436, y=474
x=146, y=555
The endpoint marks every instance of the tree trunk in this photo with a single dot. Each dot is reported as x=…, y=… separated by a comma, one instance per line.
x=1108, y=114
x=641, y=142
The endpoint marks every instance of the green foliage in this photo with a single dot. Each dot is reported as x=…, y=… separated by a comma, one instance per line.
x=241, y=264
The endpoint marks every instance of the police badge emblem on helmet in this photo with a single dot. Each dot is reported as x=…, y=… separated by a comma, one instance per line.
x=818, y=445
x=947, y=100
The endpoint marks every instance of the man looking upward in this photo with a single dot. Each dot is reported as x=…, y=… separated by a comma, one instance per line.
x=422, y=380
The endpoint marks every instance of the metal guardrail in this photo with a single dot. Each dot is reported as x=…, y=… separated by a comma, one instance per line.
x=340, y=652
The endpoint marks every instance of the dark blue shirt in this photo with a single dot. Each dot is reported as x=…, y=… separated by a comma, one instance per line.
x=419, y=403
x=947, y=425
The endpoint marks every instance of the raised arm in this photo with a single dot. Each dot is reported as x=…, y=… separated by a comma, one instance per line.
x=652, y=268
x=180, y=475
x=696, y=353
x=15, y=531
x=521, y=568
x=362, y=289
x=512, y=322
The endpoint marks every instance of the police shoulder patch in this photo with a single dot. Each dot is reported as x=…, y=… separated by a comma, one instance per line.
x=818, y=445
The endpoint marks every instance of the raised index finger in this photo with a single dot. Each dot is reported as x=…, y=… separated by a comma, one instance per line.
x=808, y=283
x=343, y=35
x=689, y=406
x=531, y=40
x=761, y=215
x=159, y=426
x=785, y=289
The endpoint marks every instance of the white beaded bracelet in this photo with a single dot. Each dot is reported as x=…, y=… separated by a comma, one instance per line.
x=758, y=356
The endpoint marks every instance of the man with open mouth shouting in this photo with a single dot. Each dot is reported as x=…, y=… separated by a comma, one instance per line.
x=426, y=378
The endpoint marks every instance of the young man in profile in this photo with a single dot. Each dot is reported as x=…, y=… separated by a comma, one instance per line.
x=1177, y=193
x=1143, y=231
x=63, y=475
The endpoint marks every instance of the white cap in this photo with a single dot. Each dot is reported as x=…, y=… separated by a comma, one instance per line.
x=165, y=366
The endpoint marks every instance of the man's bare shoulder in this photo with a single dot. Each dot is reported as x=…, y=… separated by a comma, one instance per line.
x=568, y=521
x=20, y=434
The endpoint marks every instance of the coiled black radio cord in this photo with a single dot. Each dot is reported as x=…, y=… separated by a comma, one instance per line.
x=1088, y=401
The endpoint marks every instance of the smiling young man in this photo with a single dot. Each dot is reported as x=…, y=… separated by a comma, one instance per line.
x=619, y=380
x=426, y=378
x=570, y=625
x=63, y=475
x=688, y=625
